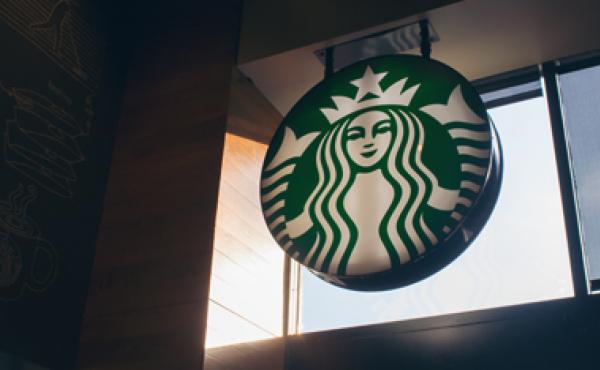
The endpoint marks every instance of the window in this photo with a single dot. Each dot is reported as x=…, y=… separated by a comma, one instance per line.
x=521, y=255
x=580, y=95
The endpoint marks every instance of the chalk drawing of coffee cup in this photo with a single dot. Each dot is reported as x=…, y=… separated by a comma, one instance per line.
x=27, y=260
x=43, y=268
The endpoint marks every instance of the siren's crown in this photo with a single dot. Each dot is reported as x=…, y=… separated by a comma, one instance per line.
x=368, y=84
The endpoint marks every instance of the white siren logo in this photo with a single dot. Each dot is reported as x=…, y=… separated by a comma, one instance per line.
x=382, y=174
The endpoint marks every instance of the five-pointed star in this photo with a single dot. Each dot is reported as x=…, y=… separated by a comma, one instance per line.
x=368, y=83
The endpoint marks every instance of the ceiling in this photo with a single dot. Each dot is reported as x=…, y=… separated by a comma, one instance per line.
x=479, y=38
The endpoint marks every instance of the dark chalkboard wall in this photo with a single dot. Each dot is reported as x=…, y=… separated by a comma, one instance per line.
x=57, y=118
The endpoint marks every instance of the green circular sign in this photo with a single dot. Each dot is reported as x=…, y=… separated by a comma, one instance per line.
x=382, y=173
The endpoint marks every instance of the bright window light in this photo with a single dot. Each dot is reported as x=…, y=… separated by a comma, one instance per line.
x=520, y=256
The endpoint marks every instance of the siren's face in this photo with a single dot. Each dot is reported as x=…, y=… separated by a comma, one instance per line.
x=368, y=138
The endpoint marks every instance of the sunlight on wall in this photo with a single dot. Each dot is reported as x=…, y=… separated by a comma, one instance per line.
x=246, y=289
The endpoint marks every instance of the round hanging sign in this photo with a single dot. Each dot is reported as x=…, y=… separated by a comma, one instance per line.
x=382, y=174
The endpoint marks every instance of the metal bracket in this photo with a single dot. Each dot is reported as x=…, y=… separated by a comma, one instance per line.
x=391, y=41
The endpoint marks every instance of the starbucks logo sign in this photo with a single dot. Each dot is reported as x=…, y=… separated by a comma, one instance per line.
x=382, y=174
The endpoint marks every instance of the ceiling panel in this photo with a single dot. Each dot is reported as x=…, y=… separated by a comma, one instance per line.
x=479, y=38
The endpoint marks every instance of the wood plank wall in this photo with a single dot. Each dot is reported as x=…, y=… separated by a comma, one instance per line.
x=242, y=307
x=246, y=291
x=246, y=294
x=149, y=292
x=251, y=115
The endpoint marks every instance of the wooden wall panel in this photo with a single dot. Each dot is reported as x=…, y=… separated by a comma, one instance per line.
x=246, y=295
x=149, y=293
x=247, y=279
x=251, y=115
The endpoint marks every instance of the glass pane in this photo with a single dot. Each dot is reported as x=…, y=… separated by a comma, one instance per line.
x=246, y=287
x=581, y=107
x=521, y=255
